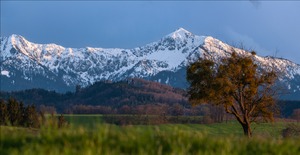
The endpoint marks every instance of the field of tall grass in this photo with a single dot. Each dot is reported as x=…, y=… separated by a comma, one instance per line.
x=220, y=138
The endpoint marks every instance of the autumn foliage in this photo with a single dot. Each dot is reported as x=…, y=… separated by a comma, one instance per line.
x=237, y=84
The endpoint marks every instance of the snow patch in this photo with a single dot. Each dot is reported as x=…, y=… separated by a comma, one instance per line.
x=26, y=78
x=5, y=72
x=167, y=81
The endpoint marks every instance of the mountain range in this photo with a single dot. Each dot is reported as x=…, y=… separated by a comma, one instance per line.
x=26, y=65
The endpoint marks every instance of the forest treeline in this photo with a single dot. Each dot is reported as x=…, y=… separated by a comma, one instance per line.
x=131, y=92
x=133, y=96
x=15, y=113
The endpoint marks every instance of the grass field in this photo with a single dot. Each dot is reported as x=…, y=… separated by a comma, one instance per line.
x=94, y=119
x=100, y=138
x=230, y=127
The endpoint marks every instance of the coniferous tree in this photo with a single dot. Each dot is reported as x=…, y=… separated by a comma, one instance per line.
x=31, y=117
x=4, y=117
x=21, y=115
x=16, y=114
x=13, y=110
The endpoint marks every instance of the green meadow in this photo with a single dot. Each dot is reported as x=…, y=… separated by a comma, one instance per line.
x=87, y=134
x=226, y=128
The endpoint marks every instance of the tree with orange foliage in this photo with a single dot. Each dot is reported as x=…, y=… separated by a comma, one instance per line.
x=235, y=83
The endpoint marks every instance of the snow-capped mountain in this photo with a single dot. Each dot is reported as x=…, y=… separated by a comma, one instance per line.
x=29, y=65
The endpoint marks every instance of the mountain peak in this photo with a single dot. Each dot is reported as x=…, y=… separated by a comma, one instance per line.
x=16, y=36
x=182, y=30
x=180, y=33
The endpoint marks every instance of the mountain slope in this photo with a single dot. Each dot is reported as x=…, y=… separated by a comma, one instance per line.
x=50, y=66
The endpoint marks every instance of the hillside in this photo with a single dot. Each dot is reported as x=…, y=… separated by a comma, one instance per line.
x=112, y=94
x=134, y=96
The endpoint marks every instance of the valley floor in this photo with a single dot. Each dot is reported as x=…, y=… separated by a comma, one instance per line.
x=219, y=138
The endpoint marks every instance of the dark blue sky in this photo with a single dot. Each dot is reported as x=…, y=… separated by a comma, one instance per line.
x=267, y=26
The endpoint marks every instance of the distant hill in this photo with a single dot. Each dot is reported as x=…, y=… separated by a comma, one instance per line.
x=122, y=97
x=113, y=94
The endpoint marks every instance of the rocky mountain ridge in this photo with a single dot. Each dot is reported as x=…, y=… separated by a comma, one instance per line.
x=27, y=65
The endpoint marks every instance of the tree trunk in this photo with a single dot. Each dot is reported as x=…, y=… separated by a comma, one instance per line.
x=247, y=130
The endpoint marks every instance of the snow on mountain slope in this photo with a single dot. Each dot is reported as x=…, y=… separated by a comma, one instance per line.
x=87, y=63
x=215, y=49
x=164, y=61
